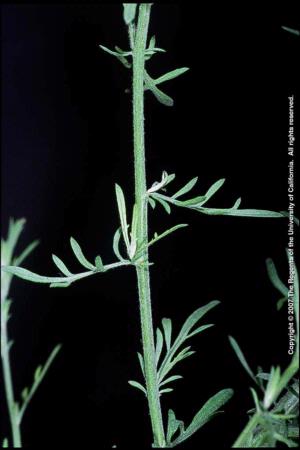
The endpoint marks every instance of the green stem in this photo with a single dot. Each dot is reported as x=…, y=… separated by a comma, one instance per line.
x=143, y=275
x=8, y=384
x=242, y=440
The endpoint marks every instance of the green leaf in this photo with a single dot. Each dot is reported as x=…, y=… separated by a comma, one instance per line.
x=142, y=364
x=163, y=391
x=291, y=30
x=275, y=280
x=196, y=201
x=173, y=426
x=237, y=203
x=24, y=393
x=37, y=373
x=273, y=387
x=170, y=379
x=161, y=96
x=159, y=344
x=241, y=358
x=164, y=204
x=138, y=386
x=99, y=263
x=129, y=12
x=165, y=233
x=170, y=75
x=194, y=318
x=152, y=202
x=167, y=327
x=256, y=401
x=186, y=188
x=58, y=262
x=152, y=43
x=205, y=414
x=212, y=190
x=29, y=249
x=241, y=212
x=79, y=255
x=200, y=329
x=116, y=243
x=122, y=215
x=5, y=443
x=30, y=276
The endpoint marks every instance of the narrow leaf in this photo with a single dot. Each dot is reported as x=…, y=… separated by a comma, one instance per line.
x=138, y=386
x=200, y=329
x=163, y=391
x=152, y=202
x=275, y=280
x=79, y=255
x=167, y=327
x=62, y=267
x=170, y=75
x=164, y=204
x=99, y=263
x=24, y=393
x=291, y=30
x=5, y=443
x=170, y=379
x=241, y=357
x=29, y=249
x=194, y=318
x=116, y=243
x=122, y=214
x=186, y=188
x=165, y=233
x=141, y=361
x=159, y=344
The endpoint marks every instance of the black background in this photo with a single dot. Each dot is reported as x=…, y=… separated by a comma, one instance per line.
x=66, y=139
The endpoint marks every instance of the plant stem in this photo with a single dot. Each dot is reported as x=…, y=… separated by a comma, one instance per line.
x=242, y=440
x=8, y=384
x=143, y=274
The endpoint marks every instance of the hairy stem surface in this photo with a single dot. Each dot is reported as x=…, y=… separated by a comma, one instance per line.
x=142, y=269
